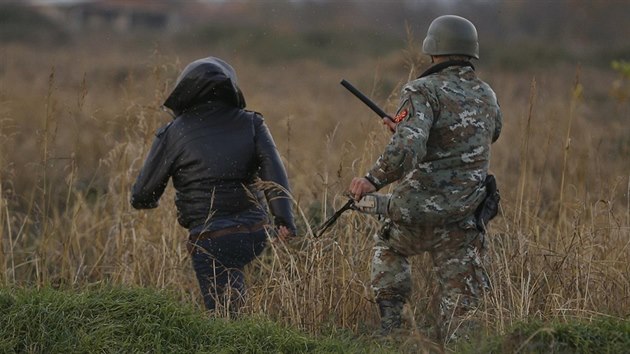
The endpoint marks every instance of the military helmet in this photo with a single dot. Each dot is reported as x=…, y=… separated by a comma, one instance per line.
x=451, y=35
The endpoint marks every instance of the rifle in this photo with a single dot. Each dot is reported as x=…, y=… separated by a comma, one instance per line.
x=366, y=100
x=350, y=204
x=370, y=203
x=328, y=223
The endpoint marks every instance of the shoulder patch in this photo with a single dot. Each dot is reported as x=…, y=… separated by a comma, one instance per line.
x=163, y=129
x=402, y=114
x=404, y=111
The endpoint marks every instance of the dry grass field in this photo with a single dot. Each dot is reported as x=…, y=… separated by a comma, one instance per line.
x=76, y=123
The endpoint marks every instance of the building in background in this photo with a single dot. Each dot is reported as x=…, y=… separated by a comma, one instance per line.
x=117, y=15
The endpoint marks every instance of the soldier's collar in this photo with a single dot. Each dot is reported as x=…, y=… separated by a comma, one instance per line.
x=441, y=66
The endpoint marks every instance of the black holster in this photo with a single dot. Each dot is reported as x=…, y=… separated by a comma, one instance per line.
x=489, y=207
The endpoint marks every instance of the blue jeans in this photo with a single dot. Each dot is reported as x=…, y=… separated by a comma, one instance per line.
x=218, y=264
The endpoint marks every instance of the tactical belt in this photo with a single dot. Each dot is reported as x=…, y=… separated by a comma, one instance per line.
x=238, y=229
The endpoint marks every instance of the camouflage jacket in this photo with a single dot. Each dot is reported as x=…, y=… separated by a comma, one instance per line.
x=440, y=150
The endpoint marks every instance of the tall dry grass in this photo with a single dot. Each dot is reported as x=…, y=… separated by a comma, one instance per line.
x=76, y=125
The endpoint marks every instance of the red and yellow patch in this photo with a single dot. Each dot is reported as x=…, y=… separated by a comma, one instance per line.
x=401, y=115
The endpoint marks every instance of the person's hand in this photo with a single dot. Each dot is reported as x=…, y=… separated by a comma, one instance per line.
x=284, y=233
x=359, y=186
x=390, y=124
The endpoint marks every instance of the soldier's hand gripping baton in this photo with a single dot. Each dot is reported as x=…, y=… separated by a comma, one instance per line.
x=373, y=106
x=328, y=223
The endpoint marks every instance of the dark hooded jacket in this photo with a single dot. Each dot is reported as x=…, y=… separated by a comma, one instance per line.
x=214, y=151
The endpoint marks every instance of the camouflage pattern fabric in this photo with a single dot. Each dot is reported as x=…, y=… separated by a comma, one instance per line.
x=439, y=155
x=458, y=251
x=441, y=148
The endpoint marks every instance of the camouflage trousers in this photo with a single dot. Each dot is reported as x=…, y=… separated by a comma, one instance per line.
x=457, y=251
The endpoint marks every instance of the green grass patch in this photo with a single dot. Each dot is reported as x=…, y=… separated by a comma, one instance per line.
x=604, y=335
x=144, y=320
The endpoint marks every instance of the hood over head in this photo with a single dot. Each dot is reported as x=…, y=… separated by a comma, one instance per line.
x=205, y=80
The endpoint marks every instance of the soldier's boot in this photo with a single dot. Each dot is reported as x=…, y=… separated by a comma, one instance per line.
x=391, y=315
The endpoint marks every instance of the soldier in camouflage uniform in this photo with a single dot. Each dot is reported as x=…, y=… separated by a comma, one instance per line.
x=439, y=155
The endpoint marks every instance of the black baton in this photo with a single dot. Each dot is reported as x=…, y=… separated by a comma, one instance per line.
x=365, y=99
